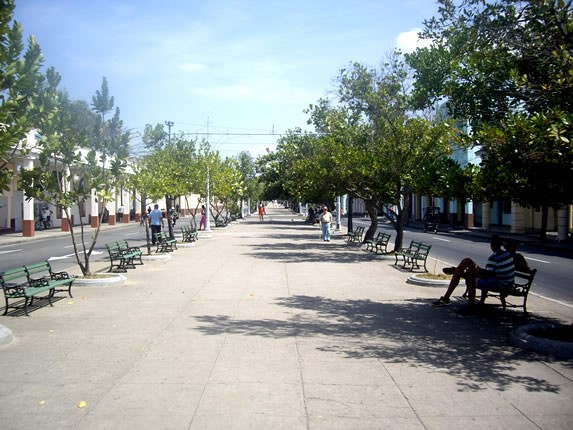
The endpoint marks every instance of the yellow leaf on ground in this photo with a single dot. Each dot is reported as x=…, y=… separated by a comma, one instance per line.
x=70, y=302
x=42, y=402
x=82, y=404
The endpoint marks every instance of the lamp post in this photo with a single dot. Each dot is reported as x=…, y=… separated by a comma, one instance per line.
x=338, y=210
x=208, y=199
x=169, y=124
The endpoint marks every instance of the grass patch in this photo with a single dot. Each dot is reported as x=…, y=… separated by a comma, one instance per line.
x=437, y=276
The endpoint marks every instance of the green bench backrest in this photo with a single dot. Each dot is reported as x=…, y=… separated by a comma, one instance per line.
x=113, y=248
x=34, y=269
x=13, y=274
x=414, y=246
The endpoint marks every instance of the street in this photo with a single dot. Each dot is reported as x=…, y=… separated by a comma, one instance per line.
x=552, y=279
x=554, y=268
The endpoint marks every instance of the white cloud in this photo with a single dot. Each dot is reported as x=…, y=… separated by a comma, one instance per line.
x=408, y=41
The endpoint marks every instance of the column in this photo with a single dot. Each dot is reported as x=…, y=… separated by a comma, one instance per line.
x=469, y=216
x=485, y=215
x=28, y=222
x=338, y=210
x=562, y=223
x=517, y=218
x=65, y=224
x=452, y=211
x=126, y=207
x=137, y=198
x=111, y=207
x=93, y=209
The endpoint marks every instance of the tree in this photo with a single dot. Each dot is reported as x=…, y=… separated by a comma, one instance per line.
x=390, y=150
x=21, y=110
x=169, y=169
x=505, y=66
x=248, y=171
x=76, y=161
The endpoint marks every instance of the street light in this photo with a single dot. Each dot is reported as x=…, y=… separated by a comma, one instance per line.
x=208, y=199
x=169, y=124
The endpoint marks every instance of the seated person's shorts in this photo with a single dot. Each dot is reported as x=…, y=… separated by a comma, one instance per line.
x=490, y=284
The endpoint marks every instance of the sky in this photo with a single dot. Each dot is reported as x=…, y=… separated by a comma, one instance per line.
x=237, y=72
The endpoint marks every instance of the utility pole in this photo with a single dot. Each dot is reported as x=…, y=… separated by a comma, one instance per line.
x=169, y=124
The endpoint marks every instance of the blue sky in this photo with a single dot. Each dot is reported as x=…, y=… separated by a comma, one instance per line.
x=242, y=67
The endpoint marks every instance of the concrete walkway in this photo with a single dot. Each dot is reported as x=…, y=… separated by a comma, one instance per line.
x=264, y=326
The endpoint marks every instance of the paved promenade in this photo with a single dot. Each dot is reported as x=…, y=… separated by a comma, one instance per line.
x=264, y=326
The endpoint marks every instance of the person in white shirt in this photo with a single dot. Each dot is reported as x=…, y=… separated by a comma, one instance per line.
x=325, y=221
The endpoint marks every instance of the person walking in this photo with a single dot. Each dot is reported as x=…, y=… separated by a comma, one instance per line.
x=203, y=221
x=156, y=222
x=262, y=213
x=325, y=221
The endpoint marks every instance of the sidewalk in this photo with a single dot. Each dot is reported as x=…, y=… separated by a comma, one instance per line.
x=263, y=326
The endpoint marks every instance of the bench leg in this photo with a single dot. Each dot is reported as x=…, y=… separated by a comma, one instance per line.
x=26, y=305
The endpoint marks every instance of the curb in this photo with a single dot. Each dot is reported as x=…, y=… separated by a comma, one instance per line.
x=112, y=279
x=426, y=282
x=526, y=337
x=5, y=335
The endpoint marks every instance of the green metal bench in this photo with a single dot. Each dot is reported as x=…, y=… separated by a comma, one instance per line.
x=26, y=282
x=415, y=253
x=520, y=288
x=132, y=251
x=189, y=234
x=355, y=236
x=164, y=244
x=380, y=243
x=121, y=259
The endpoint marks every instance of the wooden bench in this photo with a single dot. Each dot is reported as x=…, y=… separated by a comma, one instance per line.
x=23, y=283
x=164, y=244
x=189, y=234
x=380, y=243
x=520, y=288
x=417, y=251
x=355, y=236
x=120, y=258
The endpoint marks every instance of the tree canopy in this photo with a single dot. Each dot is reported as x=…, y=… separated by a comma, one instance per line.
x=507, y=67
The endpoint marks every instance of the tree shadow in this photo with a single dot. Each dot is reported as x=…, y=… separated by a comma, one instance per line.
x=310, y=253
x=473, y=348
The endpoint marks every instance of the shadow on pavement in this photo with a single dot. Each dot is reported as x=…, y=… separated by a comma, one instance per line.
x=474, y=348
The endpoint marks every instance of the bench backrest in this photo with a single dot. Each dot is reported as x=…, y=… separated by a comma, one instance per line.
x=113, y=248
x=414, y=246
x=527, y=277
x=9, y=276
x=383, y=237
x=122, y=244
x=423, y=249
x=38, y=268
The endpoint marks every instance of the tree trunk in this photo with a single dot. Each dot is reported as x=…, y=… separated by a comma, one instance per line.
x=401, y=218
x=349, y=226
x=372, y=211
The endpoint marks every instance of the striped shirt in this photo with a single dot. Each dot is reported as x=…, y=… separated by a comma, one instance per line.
x=501, y=264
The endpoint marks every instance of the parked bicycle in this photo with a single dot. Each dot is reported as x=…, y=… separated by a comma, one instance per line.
x=44, y=225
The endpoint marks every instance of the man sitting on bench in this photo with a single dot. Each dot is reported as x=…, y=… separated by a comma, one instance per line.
x=498, y=274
